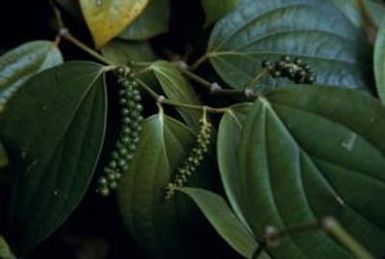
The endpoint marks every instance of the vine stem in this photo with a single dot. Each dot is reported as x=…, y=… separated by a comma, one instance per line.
x=328, y=224
x=161, y=100
x=66, y=34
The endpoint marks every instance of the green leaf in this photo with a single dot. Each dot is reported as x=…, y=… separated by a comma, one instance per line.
x=224, y=221
x=307, y=152
x=53, y=129
x=163, y=146
x=215, y=10
x=106, y=19
x=178, y=89
x=121, y=52
x=379, y=63
x=19, y=64
x=152, y=22
x=5, y=251
x=315, y=31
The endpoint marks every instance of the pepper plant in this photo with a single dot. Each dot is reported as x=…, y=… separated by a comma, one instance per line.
x=195, y=129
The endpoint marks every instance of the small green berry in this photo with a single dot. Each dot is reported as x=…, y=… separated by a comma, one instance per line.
x=122, y=101
x=112, y=164
x=113, y=185
x=102, y=181
x=120, y=71
x=104, y=192
x=123, y=151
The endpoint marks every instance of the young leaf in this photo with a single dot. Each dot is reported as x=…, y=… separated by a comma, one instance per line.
x=178, y=89
x=259, y=30
x=164, y=144
x=216, y=210
x=19, y=64
x=153, y=21
x=106, y=19
x=215, y=10
x=121, y=52
x=379, y=63
x=5, y=251
x=53, y=129
x=307, y=152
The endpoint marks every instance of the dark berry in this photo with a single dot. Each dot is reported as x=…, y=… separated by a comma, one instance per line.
x=266, y=64
x=286, y=58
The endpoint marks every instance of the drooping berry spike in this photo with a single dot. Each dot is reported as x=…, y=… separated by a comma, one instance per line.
x=293, y=69
x=131, y=118
x=194, y=159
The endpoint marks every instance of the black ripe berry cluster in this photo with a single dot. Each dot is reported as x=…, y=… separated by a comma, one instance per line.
x=185, y=171
x=131, y=118
x=293, y=69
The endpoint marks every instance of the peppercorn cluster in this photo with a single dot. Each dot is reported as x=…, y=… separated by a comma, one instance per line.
x=131, y=118
x=186, y=170
x=293, y=69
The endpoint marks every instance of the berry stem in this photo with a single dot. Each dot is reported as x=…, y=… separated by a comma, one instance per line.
x=199, y=62
x=214, y=88
x=257, y=78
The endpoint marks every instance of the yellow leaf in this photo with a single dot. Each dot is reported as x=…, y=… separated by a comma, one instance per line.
x=107, y=18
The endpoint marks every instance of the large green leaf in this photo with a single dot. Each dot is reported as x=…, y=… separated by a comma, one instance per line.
x=314, y=30
x=224, y=221
x=178, y=89
x=19, y=64
x=379, y=62
x=153, y=21
x=215, y=10
x=121, y=52
x=307, y=152
x=155, y=223
x=53, y=129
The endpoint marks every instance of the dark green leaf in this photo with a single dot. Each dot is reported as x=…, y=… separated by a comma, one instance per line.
x=376, y=11
x=5, y=252
x=153, y=21
x=216, y=210
x=229, y=134
x=215, y=10
x=178, y=89
x=315, y=31
x=307, y=152
x=121, y=52
x=53, y=129
x=379, y=63
x=3, y=157
x=164, y=144
x=19, y=64
x=351, y=9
